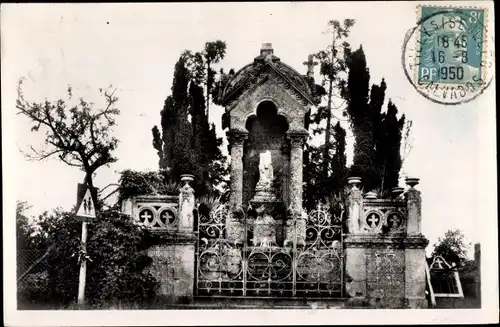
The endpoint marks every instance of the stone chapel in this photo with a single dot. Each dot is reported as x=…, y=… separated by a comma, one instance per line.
x=262, y=244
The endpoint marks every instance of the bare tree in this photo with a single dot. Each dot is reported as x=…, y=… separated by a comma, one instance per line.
x=79, y=135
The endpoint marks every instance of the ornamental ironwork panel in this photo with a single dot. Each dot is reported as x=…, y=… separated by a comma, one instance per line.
x=268, y=258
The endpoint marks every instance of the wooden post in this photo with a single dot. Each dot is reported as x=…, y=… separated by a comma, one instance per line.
x=86, y=199
x=83, y=266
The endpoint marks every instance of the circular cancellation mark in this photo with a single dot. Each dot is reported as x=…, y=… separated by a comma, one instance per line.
x=448, y=57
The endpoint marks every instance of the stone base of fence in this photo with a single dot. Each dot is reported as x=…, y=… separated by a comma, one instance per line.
x=174, y=267
x=385, y=271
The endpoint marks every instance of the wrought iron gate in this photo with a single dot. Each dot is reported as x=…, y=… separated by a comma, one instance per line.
x=308, y=263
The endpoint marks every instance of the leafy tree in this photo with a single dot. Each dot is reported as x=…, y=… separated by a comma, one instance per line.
x=452, y=247
x=23, y=227
x=220, y=83
x=201, y=66
x=134, y=183
x=213, y=53
x=332, y=67
x=117, y=266
x=75, y=131
x=325, y=165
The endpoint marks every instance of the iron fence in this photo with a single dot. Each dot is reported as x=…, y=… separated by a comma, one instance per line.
x=294, y=258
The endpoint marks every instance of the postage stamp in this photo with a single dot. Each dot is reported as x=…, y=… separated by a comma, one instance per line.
x=448, y=56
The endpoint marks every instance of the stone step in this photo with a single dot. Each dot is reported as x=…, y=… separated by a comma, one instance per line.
x=212, y=302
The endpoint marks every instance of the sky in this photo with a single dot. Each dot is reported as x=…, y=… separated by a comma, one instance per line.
x=134, y=47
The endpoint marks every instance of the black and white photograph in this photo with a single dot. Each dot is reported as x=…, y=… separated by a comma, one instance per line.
x=249, y=163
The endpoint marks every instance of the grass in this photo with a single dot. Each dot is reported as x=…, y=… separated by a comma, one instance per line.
x=160, y=303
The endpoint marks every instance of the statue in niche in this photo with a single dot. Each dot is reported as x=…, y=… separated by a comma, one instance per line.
x=266, y=170
x=263, y=203
x=264, y=190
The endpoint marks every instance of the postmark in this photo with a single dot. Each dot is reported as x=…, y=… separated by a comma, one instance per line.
x=449, y=55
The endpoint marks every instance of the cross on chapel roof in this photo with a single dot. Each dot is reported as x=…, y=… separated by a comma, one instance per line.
x=310, y=63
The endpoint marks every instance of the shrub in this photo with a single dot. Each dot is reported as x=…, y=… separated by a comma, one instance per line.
x=116, y=269
x=33, y=288
x=133, y=183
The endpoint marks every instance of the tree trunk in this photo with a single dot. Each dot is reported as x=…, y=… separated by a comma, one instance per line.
x=90, y=183
x=327, y=132
x=208, y=90
x=329, y=115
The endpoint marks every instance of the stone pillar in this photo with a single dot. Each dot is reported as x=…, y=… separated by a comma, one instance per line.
x=285, y=150
x=128, y=207
x=415, y=280
x=235, y=230
x=355, y=252
x=414, y=243
x=296, y=227
x=414, y=206
x=174, y=258
x=186, y=205
x=297, y=141
x=355, y=206
x=236, y=140
x=355, y=273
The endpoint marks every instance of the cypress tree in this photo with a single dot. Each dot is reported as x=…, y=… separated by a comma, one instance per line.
x=377, y=135
x=167, y=125
x=388, y=151
x=361, y=123
x=176, y=155
x=183, y=160
x=188, y=143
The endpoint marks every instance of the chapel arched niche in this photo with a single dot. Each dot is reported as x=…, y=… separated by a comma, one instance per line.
x=266, y=131
x=266, y=103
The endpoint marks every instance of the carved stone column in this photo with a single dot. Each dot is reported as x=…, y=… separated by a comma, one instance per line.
x=296, y=227
x=285, y=150
x=297, y=141
x=236, y=140
x=235, y=230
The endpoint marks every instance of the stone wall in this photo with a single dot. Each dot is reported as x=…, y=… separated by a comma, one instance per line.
x=173, y=268
x=384, y=250
x=172, y=219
